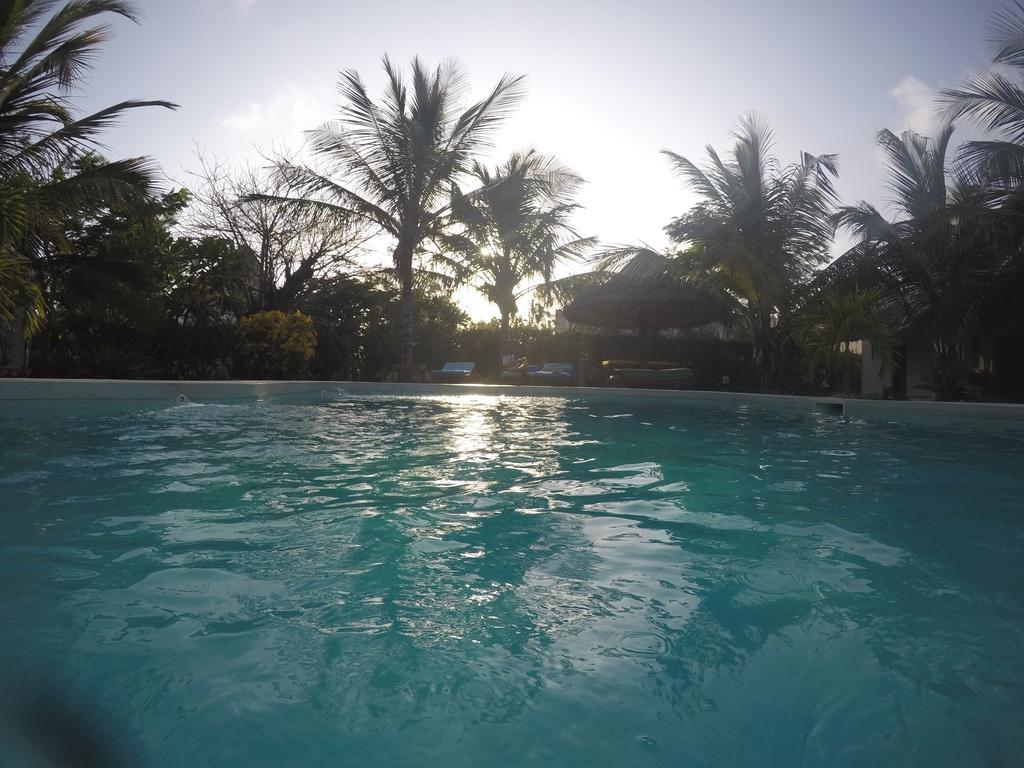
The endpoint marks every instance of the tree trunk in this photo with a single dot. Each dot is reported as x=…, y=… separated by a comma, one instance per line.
x=764, y=351
x=504, y=342
x=761, y=359
x=285, y=297
x=408, y=341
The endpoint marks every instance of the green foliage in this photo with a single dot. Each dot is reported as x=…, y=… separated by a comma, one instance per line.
x=204, y=294
x=346, y=313
x=128, y=299
x=358, y=319
x=826, y=322
x=273, y=345
x=104, y=286
x=949, y=376
x=44, y=55
x=21, y=298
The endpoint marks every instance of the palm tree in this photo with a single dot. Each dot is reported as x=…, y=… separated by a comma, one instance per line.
x=514, y=228
x=934, y=266
x=826, y=323
x=40, y=140
x=392, y=163
x=758, y=230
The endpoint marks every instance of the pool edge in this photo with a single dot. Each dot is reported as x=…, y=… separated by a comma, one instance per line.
x=169, y=392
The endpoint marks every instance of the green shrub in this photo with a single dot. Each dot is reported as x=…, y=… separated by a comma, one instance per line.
x=273, y=345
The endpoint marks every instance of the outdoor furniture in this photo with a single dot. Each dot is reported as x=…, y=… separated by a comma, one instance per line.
x=647, y=364
x=652, y=378
x=452, y=373
x=563, y=374
x=610, y=367
x=519, y=375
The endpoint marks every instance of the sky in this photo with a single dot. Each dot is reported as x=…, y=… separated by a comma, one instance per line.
x=609, y=84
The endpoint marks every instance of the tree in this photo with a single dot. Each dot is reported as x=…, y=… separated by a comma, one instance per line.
x=357, y=318
x=345, y=309
x=204, y=294
x=827, y=322
x=103, y=285
x=391, y=163
x=127, y=298
x=935, y=266
x=44, y=56
x=288, y=247
x=514, y=229
x=758, y=231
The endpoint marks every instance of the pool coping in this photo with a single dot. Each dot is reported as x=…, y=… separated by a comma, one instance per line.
x=19, y=395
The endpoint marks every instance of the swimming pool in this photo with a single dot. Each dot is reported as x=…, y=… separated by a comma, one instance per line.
x=482, y=580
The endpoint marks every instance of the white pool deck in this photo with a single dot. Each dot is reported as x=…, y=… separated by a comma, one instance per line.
x=42, y=397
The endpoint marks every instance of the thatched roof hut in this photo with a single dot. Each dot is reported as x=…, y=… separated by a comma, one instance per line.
x=641, y=296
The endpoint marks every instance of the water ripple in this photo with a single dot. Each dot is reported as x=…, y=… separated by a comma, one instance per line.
x=482, y=580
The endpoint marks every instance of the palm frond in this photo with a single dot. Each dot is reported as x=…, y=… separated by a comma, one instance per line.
x=313, y=190
x=993, y=100
x=21, y=298
x=1006, y=34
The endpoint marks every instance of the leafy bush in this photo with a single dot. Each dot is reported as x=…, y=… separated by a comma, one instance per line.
x=358, y=326
x=273, y=345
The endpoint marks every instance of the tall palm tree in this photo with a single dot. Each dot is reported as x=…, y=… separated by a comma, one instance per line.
x=934, y=266
x=392, y=162
x=514, y=228
x=45, y=53
x=758, y=231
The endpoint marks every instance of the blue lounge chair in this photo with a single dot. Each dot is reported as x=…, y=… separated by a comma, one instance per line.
x=563, y=374
x=519, y=375
x=451, y=373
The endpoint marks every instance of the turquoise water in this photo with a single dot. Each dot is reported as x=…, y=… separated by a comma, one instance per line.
x=483, y=581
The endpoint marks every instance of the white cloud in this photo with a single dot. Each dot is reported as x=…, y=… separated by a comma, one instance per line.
x=917, y=102
x=282, y=117
x=241, y=7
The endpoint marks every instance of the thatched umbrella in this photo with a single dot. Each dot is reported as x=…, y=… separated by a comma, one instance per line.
x=641, y=296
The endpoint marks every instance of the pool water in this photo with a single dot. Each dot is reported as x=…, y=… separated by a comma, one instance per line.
x=499, y=581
